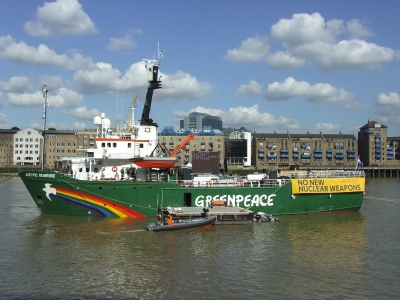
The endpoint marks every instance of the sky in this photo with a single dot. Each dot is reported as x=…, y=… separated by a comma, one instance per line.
x=297, y=66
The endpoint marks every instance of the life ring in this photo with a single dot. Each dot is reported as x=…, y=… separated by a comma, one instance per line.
x=114, y=169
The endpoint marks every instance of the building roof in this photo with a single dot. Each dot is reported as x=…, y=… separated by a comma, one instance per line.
x=296, y=136
x=372, y=124
x=393, y=138
x=55, y=131
x=5, y=131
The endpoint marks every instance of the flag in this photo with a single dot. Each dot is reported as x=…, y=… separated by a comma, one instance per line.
x=359, y=161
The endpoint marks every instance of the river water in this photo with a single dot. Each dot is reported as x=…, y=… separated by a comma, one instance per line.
x=353, y=255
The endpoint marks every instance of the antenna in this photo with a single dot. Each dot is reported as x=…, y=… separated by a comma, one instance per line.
x=117, y=104
x=45, y=105
x=122, y=106
x=154, y=61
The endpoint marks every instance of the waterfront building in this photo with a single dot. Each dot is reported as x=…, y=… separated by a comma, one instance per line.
x=376, y=149
x=206, y=139
x=238, y=150
x=197, y=120
x=7, y=146
x=393, y=146
x=229, y=130
x=60, y=143
x=27, y=147
x=286, y=150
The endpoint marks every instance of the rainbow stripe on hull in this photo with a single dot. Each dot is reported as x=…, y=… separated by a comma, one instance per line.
x=96, y=205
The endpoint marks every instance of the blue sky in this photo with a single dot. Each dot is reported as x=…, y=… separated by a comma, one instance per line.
x=293, y=66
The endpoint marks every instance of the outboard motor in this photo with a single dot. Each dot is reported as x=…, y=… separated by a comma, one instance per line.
x=205, y=212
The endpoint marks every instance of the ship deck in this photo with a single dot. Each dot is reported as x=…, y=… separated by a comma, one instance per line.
x=225, y=215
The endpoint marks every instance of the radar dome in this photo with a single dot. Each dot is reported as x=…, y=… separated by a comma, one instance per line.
x=97, y=120
x=106, y=123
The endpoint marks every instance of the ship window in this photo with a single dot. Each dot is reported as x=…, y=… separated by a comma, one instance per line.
x=129, y=145
x=141, y=145
x=114, y=145
x=109, y=145
x=103, y=145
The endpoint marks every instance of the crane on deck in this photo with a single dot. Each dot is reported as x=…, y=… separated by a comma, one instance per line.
x=182, y=145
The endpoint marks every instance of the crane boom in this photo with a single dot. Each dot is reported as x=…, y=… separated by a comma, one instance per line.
x=182, y=145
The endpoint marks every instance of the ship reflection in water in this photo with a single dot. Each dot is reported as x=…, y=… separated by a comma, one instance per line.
x=328, y=242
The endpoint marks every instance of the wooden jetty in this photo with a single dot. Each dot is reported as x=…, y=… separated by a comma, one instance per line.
x=225, y=215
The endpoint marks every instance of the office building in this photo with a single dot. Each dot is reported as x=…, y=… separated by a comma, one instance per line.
x=197, y=120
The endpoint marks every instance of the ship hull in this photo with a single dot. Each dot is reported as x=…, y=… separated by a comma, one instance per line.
x=55, y=193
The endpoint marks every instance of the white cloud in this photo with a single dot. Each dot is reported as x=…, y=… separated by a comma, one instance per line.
x=135, y=31
x=303, y=29
x=101, y=79
x=61, y=97
x=82, y=113
x=251, y=50
x=357, y=30
x=16, y=85
x=79, y=126
x=309, y=37
x=125, y=42
x=327, y=127
x=252, y=89
x=183, y=86
x=3, y=120
x=105, y=79
x=62, y=17
x=53, y=83
x=42, y=55
x=283, y=60
x=319, y=92
x=388, y=107
x=248, y=117
x=355, y=54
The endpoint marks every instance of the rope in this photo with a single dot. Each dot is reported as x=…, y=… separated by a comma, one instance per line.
x=6, y=180
x=382, y=199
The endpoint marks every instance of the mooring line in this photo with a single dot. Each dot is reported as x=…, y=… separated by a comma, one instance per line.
x=382, y=199
x=6, y=180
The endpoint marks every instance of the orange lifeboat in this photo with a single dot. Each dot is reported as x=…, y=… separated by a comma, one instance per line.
x=154, y=162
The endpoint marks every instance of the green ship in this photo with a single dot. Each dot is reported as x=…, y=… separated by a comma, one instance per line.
x=90, y=188
x=57, y=193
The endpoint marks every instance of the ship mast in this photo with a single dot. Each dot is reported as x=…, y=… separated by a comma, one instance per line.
x=45, y=105
x=130, y=123
x=151, y=66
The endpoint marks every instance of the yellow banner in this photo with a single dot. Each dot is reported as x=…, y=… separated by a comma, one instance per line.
x=327, y=185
